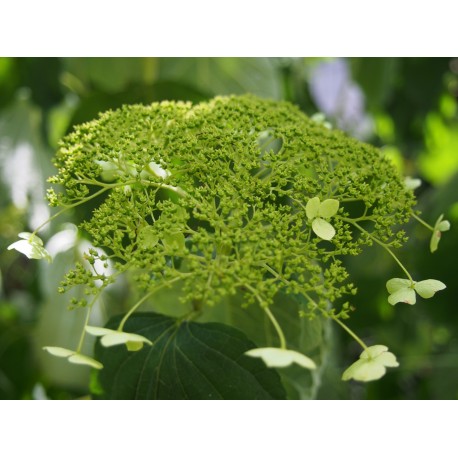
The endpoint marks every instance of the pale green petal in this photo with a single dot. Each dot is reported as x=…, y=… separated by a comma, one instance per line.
x=444, y=226
x=302, y=360
x=323, y=229
x=312, y=207
x=388, y=359
x=439, y=227
x=364, y=371
x=23, y=246
x=30, y=249
x=25, y=235
x=373, y=351
x=395, y=284
x=278, y=357
x=59, y=351
x=148, y=237
x=427, y=288
x=78, y=358
x=328, y=208
x=174, y=241
x=96, y=331
x=134, y=346
x=406, y=295
x=116, y=338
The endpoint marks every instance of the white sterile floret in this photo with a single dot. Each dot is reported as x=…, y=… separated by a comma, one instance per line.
x=403, y=290
x=31, y=246
x=73, y=357
x=281, y=357
x=110, y=337
x=371, y=365
x=318, y=212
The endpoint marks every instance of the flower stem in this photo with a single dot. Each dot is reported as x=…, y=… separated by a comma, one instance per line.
x=277, y=328
x=423, y=222
x=344, y=326
x=142, y=300
x=383, y=245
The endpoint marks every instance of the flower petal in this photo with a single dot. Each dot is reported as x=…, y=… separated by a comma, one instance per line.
x=118, y=337
x=439, y=227
x=395, y=284
x=427, y=288
x=312, y=207
x=59, y=351
x=388, y=359
x=406, y=295
x=280, y=357
x=364, y=371
x=78, y=358
x=96, y=331
x=328, y=208
x=323, y=229
x=373, y=351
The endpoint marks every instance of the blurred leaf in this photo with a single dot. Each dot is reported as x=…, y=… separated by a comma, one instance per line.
x=187, y=361
x=224, y=75
x=376, y=76
x=440, y=159
x=112, y=74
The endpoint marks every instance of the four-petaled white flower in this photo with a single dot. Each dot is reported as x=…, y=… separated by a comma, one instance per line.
x=31, y=246
x=440, y=226
x=281, y=357
x=403, y=290
x=110, y=337
x=318, y=212
x=73, y=357
x=371, y=365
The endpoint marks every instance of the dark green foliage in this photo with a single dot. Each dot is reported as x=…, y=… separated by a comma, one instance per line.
x=187, y=361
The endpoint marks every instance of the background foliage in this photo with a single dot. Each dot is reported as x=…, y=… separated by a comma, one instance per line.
x=406, y=106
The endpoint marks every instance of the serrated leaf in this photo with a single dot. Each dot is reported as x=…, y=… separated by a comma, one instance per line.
x=187, y=361
x=323, y=229
x=328, y=208
x=312, y=207
x=427, y=288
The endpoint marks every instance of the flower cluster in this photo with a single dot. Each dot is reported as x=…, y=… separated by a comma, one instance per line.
x=238, y=197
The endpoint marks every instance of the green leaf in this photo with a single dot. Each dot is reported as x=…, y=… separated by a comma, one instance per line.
x=323, y=229
x=427, y=288
x=187, y=361
x=224, y=75
x=328, y=208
